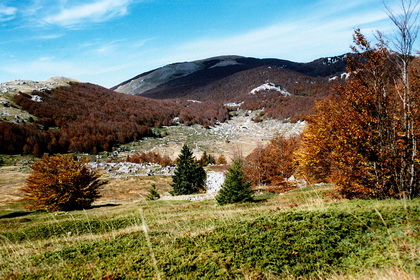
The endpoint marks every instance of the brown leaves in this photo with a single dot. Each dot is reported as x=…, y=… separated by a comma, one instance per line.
x=150, y=157
x=360, y=139
x=273, y=164
x=61, y=183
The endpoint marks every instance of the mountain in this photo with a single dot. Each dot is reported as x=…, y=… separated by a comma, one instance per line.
x=187, y=78
x=63, y=115
x=285, y=89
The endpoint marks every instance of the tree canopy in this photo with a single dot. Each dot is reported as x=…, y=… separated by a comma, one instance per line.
x=61, y=183
x=235, y=188
x=366, y=138
x=189, y=176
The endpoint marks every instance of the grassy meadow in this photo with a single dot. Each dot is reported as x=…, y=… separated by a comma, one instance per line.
x=303, y=234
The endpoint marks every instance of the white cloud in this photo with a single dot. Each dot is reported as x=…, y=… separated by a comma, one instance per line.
x=47, y=37
x=112, y=48
x=98, y=11
x=7, y=13
x=301, y=39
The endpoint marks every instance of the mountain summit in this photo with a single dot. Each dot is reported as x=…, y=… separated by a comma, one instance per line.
x=181, y=79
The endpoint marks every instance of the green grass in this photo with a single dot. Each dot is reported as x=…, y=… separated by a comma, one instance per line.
x=301, y=234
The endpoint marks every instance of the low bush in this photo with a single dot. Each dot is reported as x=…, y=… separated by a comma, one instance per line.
x=150, y=157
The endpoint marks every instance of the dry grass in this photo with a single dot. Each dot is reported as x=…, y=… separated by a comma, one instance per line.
x=11, y=179
x=133, y=188
x=395, y=273
x=239, y=136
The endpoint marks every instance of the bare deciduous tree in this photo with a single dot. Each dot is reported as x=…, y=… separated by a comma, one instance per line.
x=407, y=28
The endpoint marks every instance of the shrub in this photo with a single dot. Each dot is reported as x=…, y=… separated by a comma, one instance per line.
x=150, y=157
x=235, y=188
x=221, y=160
x=153, y=194
x=61, y=183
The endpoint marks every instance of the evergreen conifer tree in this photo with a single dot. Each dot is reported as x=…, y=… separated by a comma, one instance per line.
x=235, y=188
x=189, y=176
x=204, y=160
x=153, y=194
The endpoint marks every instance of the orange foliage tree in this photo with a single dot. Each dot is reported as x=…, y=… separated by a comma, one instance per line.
x=150, y=157
x=366, y=139
x=273, y=164
x=221, y=160
x=61, y=183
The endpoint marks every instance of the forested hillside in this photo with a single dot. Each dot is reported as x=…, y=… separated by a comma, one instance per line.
x=90, y=118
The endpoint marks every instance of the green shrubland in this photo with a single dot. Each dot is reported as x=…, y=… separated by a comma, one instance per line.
x=304, y=233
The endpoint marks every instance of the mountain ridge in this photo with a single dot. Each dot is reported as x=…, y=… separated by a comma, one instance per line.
x=199, y=73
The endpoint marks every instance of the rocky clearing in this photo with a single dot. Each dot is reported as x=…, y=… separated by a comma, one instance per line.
x=238, y=136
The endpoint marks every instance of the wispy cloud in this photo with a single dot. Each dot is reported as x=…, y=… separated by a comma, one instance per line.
x=317, y=34
x=100, y=48
x=7, y=13
x=98, y=11
x=47, y=37
x=108, y=47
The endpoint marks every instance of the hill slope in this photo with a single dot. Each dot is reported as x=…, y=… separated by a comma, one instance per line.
x=182, y=79
x=301, y=234
x=89, y=118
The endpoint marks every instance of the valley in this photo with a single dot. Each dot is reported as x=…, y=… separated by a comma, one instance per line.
x=239, y=136
x=295, y=231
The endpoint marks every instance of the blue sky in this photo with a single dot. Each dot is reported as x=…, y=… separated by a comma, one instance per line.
x=108, y=41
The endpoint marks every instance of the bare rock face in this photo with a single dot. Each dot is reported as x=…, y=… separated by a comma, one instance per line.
x=28, y=86
x=214, y=181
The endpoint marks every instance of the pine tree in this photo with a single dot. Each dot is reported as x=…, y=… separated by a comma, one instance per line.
x=235, y=188
x=153, y=194
x=206, y=159
x=189, y=176
x=61, y=183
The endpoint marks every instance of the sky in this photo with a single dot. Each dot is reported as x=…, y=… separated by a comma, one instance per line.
x=106, y=42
